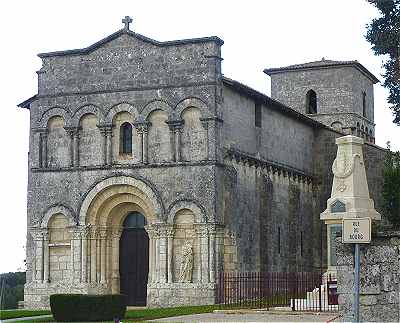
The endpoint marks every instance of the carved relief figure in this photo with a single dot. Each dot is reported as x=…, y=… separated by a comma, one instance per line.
x=186, y=268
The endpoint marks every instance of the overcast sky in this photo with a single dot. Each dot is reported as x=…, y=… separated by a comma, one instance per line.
x=257, y=35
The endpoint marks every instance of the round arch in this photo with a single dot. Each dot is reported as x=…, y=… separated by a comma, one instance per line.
x=87, y=109
x=55, y=209
x=113, y=190
x=193, y=102
x=120, y=107
x=53, y=112
x=155, y=105
x=198, y=211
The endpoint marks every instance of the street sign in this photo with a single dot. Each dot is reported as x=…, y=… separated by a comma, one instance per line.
x=356, y=230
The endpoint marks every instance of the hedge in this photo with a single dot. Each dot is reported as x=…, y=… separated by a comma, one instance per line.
x=78, y=307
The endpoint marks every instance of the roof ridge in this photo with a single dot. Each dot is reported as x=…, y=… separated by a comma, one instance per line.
x=98, y=44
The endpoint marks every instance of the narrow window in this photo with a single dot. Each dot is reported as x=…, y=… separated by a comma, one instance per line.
x=364, y=105
x=258, y=115
x=279, y=240
x=125, y=138
x=311, y=101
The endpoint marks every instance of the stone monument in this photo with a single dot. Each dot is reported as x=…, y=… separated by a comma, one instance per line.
x=350, y=195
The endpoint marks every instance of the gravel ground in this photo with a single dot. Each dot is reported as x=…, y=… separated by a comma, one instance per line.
x=254, y=317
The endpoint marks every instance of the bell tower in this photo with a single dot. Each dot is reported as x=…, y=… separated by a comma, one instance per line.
x=338, y=94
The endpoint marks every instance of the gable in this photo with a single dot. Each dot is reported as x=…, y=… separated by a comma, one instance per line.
x=126, y=60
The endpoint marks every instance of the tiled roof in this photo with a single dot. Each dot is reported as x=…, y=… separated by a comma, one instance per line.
x=323, y=63
x=274, y=104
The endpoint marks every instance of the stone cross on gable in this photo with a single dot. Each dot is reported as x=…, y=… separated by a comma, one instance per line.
x=127, y=20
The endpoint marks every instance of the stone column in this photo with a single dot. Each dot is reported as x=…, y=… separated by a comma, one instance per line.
x=43, y=133
x=212, y=254
x=170, y=236
x=145, y=142
x=93, y=255
x=115, y=279
x=157, y=257
x=175, y=128
x=109, y=147
x=103, y=274
x=46, y=257
x=73, y=133
x=204, y=123
x=178, y=143
x=84, y=254
x=199, y=259
x=152, y=253
x=140, y=146
x=39, y=256
x=172, y=141
x=202, y=234
x=162, y=246
x=77, y=250
x=103, y=132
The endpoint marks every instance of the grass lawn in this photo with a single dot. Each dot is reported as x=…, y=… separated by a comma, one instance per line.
x=11, y=314
x=148, y=313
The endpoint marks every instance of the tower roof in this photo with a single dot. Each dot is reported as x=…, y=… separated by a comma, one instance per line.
x=323, y=63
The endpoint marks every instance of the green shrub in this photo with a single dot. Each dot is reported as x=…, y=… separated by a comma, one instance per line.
x=78, y=307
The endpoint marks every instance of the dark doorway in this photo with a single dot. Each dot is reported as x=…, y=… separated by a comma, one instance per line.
x=134, y=259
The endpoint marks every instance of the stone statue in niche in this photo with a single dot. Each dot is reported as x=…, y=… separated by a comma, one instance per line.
x=186, y=268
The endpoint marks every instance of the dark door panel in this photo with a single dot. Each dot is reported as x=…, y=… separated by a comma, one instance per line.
x=134, y=265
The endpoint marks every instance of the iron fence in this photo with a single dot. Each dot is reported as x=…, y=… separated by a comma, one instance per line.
x=301, y=291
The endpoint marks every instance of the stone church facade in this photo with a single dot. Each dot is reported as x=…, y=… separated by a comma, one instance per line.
x=147, y=165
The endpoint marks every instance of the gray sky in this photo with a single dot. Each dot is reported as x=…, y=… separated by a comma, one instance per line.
x=257, y=35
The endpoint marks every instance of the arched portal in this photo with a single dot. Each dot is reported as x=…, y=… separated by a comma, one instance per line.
x=119, y=215
x=134, y=259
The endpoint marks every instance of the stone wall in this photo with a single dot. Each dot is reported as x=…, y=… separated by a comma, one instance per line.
x=380, y=279
x=339, y=93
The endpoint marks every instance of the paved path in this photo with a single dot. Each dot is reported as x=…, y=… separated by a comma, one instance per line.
x=254, y=317
x=25, y=318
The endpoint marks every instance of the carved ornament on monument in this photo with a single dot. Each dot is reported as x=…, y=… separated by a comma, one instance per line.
x=350, y=195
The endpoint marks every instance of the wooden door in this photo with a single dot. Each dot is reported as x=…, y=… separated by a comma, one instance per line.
x=134, y=260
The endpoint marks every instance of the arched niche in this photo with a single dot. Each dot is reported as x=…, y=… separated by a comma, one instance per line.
x=90, y=141
x=58, y=143
x=194, y=137
x=184, y=232
x=159, y=141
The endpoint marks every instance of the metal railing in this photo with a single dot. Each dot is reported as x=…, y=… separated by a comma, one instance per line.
x=299, y=291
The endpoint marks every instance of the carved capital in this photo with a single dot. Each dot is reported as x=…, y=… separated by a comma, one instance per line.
x=175, y=125
x=105, y=129
x=115, y=233
x=39, y=234
x=72, y=131
x=142, y=126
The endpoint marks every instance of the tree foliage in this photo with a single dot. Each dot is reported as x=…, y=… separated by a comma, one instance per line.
x=391, y=187
x=11, y=289
x=384, y=35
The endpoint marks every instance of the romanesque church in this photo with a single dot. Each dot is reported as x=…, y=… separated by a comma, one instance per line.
x=150, y=172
